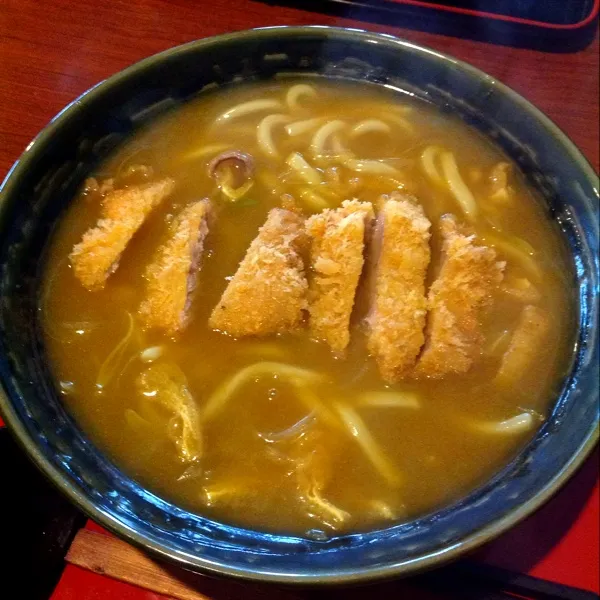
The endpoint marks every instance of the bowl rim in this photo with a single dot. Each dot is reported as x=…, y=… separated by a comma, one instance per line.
x=337, y=575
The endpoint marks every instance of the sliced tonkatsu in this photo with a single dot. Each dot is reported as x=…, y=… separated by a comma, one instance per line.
x=171, y=276
x=123, y=212
x=399, y=260
x=268, y=292
x=524, y=346
x=468, y=275
x=337, y=239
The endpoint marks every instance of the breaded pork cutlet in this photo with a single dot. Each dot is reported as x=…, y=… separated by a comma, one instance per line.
x=97, y=256
x=267, y=294
x=531, y=330
x=337, y=256
x=171, y=277
x=468, y=275
x=400, y=256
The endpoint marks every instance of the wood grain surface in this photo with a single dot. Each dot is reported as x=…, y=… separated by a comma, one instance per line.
x=107, y=555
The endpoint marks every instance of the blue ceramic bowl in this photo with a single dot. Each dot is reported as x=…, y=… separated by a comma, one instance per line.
x=45, y=180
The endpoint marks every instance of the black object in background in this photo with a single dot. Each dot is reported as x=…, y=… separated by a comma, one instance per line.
x=37, y=525
x=474, y=581
x=545, y=12
x=547, y=25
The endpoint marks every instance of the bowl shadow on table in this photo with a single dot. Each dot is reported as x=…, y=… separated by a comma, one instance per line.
x=517, y=550
x=431, y=20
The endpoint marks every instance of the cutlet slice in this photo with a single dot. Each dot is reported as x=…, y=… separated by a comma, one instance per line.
x=171, y=277
x=97, y=256
x=337, y=256
x=267, y=294
x=400, y=255
x=464, y=286
x=531, y=330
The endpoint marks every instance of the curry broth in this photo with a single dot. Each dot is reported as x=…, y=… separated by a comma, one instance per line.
x=245, y=476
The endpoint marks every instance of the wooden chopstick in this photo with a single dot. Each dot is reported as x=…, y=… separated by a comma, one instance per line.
x=108, y=555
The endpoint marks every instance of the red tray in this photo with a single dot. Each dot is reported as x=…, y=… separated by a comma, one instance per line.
x=548, y=25
x=565, y=15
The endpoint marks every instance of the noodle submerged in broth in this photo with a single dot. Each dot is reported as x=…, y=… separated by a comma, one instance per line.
x=308, y=307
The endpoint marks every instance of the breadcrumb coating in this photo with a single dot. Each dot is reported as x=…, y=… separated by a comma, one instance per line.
x=337, y=257
x=268, y=292
x=171, y=277
x=399, y=305
x=124, y=211
x=464, y=286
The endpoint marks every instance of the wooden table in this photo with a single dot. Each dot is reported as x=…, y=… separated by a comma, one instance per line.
x=52, y=51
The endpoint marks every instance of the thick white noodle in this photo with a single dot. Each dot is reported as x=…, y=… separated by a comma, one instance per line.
x=403, y=124
x=521, y=289
x=359, y=431
x=304, y=126
x=204, y=151
x=248, y=108
x=296, y=92
x=297, y=162
x=115, y=362
x=369, y=126
x=319, y=141
x=339, y=149
x=228, y=388
x=375, y=167
x=264, y=133
x=428, y=159
x=518, y=424
x=389, y=400
x=460, y=190
x=317, y=406
x=517, y=250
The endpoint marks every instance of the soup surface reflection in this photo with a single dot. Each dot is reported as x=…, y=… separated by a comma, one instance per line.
x=278, y=431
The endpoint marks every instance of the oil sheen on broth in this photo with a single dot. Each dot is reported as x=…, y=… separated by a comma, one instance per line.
x=340, y=449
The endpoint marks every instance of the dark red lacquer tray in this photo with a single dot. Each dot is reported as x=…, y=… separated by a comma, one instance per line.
x=550, y=25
